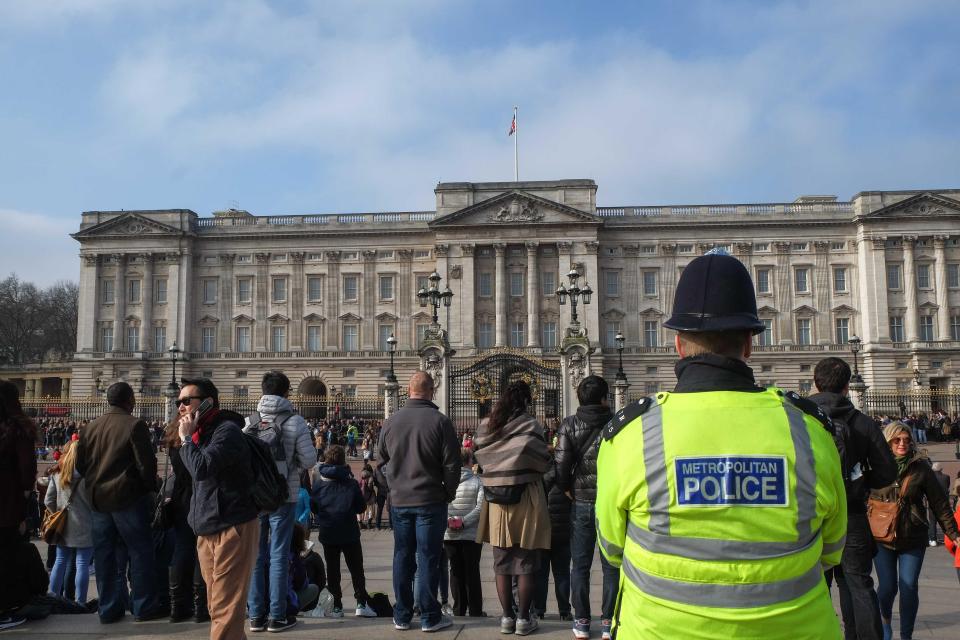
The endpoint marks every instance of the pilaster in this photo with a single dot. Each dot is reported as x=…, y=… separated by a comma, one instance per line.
x=368, y=330
x=146, y=303
x=501, y=294
x=468, y=297
x=910, y=289
x=88, y=303
x=120, y=303
x=533, y=295
x=821, y=292
x=225, y=325
x=940, y=281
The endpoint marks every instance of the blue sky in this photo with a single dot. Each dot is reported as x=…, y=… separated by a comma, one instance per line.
x=334, y=106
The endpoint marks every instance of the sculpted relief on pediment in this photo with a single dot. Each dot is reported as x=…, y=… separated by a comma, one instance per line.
x=516, y=211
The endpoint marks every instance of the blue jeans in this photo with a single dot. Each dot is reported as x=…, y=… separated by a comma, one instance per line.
x=67, y=555
x=273, y=559
x=119, y=535
x=907, y=564
x=417, y=541
x=920, y=435
x=583, y=544
x=444, y=577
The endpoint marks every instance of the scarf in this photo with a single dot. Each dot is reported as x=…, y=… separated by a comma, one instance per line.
x=205, y=421
x=902, y=463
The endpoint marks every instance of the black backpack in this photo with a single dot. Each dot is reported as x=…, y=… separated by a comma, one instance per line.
x=271, y=436
x=380, y=603
x=269, y=491
x=849, y=455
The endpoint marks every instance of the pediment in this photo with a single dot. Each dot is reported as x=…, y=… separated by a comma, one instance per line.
x=314, y=317
x=208, y=319
x=278, y=317
x=843, y=308
x=422, y=315
x=131, y=318
x=650, y=311
x=767, y=310
x=242, y=317
x=515, y=208
x=928, y=306
x=385, y=316
x=350, y=317
x=613, y=314
x=127, y=224
x=805, y=310
x=923, y=205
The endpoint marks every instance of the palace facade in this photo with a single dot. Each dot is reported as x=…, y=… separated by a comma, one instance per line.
x=317, y=295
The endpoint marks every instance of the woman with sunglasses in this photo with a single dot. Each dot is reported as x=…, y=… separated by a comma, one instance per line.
x=898, y=563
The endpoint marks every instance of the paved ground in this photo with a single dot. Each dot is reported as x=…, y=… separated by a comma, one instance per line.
x=938, y=617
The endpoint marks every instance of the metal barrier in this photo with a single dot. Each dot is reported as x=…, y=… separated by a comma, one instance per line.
x=917, y=400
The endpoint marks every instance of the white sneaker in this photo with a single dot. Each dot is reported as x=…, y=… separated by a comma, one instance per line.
x=933, y=543
x=526, y=627
x=446, y=610
x=507, y=625
x=364, y=611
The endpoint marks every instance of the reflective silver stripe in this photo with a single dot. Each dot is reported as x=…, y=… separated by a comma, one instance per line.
x=725, y=596
x=833, y=547
x=655, y=465
x=608, y=547
x=714, y=549
x=804, y=471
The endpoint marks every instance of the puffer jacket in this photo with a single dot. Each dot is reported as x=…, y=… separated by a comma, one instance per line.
x=558, y=505
x=912, y=526
x=79, y=531
x=337, y=498
x=466, y=504
x=579, y=477
x=297, y=441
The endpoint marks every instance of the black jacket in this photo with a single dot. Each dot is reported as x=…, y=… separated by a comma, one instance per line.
x=222, y=475
x=558, y=505
x=420, y=455
x=867, y=446
x=336, y=499
x=577, y=476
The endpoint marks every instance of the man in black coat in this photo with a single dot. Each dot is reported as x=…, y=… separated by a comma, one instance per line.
x=873, y=468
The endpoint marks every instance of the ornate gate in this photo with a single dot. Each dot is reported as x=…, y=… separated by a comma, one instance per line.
x=475, y=387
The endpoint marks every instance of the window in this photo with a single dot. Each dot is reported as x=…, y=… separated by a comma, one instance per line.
x=240, y=391
x=349, y=373
x=896, y=328
x=350, y=287
x=484, y=284
x=484, y=335
x=649, y=283
x=648, y=249
x=684, y=248
x=936, y=364
x=106, y=338
x=613, y=328
x=244, y=289
x=800, y=284
x=953, y=276
x=351, y=337
x=133, y=338
x=923, y=276
x=314, y=289
x=384, y=331
x=209, y=291
x=838, y=246
x=159, y=339
x=804, y=367
x=278, y=337
x=548, y=283
x=423, y=282
x=517, y=334
x=926, y=328
x=803, y=387
x=421, y=329
x=421, y=253
x=314, y=338
x=955, y=327
x=241, y=373
x=763, y=280
x=107, y=291
x=243, y=339
x=798, y=246
x=651, y=370
x=133, y=291
x=839, y=279
x=386, y=287
x=548, y=335
x=245, y=258
x=160, y=291
x=761, y=246
x=516, y=284
x=842, y=326
x=651, y=333
x=279, y=289
x=651, y=388
x=893, y=276
x=612, y=278
x=349, y=391
x=765, y=337
x=208, y=341
x=279, y=257
x=803, y=331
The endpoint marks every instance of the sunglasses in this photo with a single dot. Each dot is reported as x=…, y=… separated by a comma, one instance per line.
x=901, y=440
x=188, y=399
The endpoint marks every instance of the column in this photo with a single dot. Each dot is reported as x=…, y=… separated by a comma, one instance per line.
x=631, y=294
x=468, y=338
x=533, y=296
x=783, y=294
x=29, y=389
x=146, y=303
x=88, y=303
x=64, y=388
x=185, y=314
x=295, y=338
x=443, y=268
x=590, y=313
x=175, y=299
x=821, y=292
x=564, y=263
x=872, y=279
x=501, y=294
x=119, y=303
x=668, y=280
x=406, y=297
x=940, y=279
x=261, y=299
x=224, y=327
x=368, y=301
x=332, y=303
x=910, y=289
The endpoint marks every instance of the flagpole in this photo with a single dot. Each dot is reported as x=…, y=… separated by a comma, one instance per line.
x=516, y=154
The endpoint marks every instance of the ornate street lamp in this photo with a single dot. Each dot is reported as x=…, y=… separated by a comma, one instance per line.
x=434, y=296
x=392, y=347
x=173, y=388
x=575, y=293
x=855, y=344
x=916, y=376
x=619, y=339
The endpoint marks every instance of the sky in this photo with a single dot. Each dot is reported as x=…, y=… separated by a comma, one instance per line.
x=322, y=106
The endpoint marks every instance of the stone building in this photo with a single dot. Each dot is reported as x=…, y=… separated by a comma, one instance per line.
x=318, y=295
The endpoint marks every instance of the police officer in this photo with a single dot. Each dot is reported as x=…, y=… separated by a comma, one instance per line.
x=722, y=502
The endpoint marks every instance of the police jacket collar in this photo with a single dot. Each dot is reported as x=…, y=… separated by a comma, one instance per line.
x=712, y=372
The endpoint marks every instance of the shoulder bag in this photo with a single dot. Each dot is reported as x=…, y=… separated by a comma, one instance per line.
x=883, y=515
x=162, y=510
x=55, y=523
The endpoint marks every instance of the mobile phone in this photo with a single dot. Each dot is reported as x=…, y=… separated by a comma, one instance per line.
x=204, y=407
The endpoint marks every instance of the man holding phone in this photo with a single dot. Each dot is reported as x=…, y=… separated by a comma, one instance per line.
x=222, y=513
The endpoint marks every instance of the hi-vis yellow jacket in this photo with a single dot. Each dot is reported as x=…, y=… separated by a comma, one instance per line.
x=722, y=509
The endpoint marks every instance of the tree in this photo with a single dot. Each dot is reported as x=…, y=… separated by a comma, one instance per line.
x=37, y=325
x=60, y=320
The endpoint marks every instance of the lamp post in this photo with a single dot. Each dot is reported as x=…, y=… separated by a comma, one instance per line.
x=575, y=293
x=855, y=344
x=432, y=295
x=619, y=339
x=173, y=387
x=392, y=347
x=916, y=376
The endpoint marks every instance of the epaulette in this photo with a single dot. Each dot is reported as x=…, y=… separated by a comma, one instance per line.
x=625, y=416
x=809, y=407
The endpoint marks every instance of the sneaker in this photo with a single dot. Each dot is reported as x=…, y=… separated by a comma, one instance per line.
x=446, y=609
x=442, y=623
x=401, y=626
x=336, y=613
x=507, y=625
x=364, y=611
x=605, y=629
x=526, y=627
x=933, y=543
x=8, y=622
x=276, y=626
x=581, y=629
x=258, y=624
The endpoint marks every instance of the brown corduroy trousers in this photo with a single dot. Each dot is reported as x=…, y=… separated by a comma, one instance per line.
x=226, y=562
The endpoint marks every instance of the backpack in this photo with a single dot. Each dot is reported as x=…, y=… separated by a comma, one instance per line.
x=271, y=436
x=380, y=603
x=269, y=491
x=850, y=464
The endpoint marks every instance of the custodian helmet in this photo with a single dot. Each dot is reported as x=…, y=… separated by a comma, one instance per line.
x=715, y=293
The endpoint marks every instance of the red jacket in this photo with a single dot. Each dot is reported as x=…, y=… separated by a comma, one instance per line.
x=948, y=543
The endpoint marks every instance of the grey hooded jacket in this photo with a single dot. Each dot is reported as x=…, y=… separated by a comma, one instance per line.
x=297, y=441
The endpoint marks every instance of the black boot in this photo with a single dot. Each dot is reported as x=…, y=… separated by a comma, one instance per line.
x=180, y=609
x=201, y=614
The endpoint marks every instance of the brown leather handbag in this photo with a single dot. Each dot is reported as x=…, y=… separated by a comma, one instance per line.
x=883, y=515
